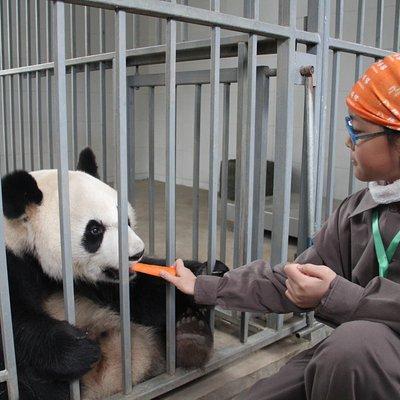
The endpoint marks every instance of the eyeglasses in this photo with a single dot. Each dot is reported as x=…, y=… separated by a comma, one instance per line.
x=356, y=137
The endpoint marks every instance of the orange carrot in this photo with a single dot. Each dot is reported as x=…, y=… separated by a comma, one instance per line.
x=152, y=269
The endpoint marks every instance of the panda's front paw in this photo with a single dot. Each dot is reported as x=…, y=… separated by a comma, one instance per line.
x=75, y=354
x=194, y=341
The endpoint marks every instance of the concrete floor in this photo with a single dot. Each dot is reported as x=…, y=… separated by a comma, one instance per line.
x=184, y=216
x=231, y=381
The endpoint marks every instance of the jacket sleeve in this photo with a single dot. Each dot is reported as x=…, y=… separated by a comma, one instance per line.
x=257, y=287
x=346, y=301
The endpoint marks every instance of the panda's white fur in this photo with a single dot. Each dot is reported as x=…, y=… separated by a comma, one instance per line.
x=103, y=325
x=38, y=230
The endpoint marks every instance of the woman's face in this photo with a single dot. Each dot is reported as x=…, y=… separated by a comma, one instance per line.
x=376, y=159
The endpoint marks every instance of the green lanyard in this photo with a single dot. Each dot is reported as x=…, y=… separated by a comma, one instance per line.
x=384, y=256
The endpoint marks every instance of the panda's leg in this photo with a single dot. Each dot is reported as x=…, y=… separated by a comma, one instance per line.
x=33, y=386
x=194, y=340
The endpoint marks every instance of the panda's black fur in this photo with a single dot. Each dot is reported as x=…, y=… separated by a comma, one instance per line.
x=50, y=352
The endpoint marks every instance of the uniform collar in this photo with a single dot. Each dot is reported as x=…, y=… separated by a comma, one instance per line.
x=366, y=203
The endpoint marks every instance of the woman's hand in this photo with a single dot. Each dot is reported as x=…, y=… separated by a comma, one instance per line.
x=184, y=279
x=307, y=283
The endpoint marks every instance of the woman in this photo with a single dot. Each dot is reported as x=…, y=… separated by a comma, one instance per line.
x=350, y=276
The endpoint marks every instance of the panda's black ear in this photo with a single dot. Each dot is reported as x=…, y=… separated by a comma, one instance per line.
x=87, y=162
x=19, y=189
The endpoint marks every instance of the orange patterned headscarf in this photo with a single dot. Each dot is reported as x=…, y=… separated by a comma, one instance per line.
x=376, y=95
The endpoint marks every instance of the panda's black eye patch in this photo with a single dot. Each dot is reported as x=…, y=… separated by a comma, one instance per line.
x=93, y=236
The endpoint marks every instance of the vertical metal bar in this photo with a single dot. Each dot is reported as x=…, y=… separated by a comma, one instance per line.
x=196, y=171
x=29, y=84
x=151, y=172
x=63, y=175
x=39, y=132
x=316, y=121
x=48, y=86
x=284, y=138
x=102, y=91
x=247, y=189
x=5, y=308
x=11, y=120
x=379, y=23
x=241, y=151
x=184, y=33
x=224, y=171
x=260, y=161
x=306, y=219
x=159, y=22
x=396, y=34
x=19, y=85
x=4, y=168
x=241, y=72
x=248, y=143
x=74, y=117
x=120, y=99
x=214, y=128
x=131, y=145
x=334, y=106
x=213, y=157
x=3, y=96
x=170, y=89
x=136, y=27
x=88, y=132
x=318, y=21
x=6, y=322
x=358, y=71
x=11, y=84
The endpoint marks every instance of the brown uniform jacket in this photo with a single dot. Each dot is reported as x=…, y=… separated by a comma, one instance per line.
x=346, y=245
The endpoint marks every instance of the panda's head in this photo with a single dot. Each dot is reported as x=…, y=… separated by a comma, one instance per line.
x=32, y=223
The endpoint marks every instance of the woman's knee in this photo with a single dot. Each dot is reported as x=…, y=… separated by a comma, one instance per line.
x=349, y=345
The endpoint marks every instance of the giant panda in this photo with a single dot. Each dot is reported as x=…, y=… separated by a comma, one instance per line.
x=51, y=352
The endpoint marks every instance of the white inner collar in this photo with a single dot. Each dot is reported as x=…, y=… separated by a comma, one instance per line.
x=385, y=194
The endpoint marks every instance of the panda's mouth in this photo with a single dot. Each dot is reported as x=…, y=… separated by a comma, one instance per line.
x=113, y=274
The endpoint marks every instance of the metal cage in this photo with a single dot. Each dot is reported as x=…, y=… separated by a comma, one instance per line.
x=43, y=83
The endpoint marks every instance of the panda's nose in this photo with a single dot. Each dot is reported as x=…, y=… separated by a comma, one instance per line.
x=137, y=256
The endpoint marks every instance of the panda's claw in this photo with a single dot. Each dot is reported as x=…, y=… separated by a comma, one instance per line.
x=194, y=341
x=76, y=353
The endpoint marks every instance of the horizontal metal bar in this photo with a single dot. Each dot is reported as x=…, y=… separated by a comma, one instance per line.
x=164, y=383
x=228, y=75
x=310, y=329
x=187, y=51
x=357, y=48
x=194, y=15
